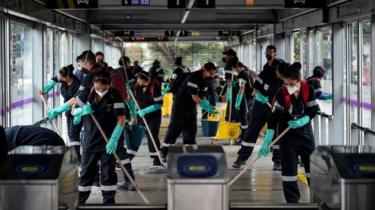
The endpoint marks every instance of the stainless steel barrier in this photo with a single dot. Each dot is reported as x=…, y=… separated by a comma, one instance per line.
x=321, y=127
x=368, y=135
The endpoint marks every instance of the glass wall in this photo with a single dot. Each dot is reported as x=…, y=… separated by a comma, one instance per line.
x=365, y=32
x=295, y=48
x=320, y=54
x=2, y=73
x=20, y=73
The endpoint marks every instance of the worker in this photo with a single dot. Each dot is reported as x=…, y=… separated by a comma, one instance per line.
x=157, y=72
x=69, y=87
x=147, y=92
x=99, y=56
x=243, y=89
x=178, y=76
x=266, y=85
x=294, y=107
x=314, y=81
x=15, y=136
x=184, y=111
x=137, y=67
x=107, y=106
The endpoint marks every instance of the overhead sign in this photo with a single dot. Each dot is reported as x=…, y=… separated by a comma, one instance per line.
x=71, y=4
x=135, y=2
x=305, y=3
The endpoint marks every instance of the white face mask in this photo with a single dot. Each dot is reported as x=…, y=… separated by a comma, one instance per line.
x=101, y=93
x=291, y=89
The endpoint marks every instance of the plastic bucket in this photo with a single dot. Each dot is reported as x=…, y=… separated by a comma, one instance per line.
x=166, y=109
x=209, y=128
x=133, y=136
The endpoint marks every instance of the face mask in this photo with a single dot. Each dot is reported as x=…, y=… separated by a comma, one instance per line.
x=101, y=93
x=269, y=57
x=291, y=89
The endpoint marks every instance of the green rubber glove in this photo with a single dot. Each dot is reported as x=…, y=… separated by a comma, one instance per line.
x=264, y=150
x=229, y=93
x=206, y=106
x=131, y=105
x=85, y=110
x=299, y=122
x=127, y=85
x=238, y=101
x=49, y=86
x=112, y=143
x=148, y=109
x=261, y=98
x=166, y=90
x=77, y=120
x=325, y=96
x=53, y=113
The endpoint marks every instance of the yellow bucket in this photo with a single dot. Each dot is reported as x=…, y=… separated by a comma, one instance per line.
x=214, y=117
x=166, y=109
x=228, y=131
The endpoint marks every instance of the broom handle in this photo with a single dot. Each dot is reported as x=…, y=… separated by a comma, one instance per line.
x=255, y=160
x=118, y=160
x=47, y=109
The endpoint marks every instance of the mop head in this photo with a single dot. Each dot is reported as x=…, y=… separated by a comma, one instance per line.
x=156, y=170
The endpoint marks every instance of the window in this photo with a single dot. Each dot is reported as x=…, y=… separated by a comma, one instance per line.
x=320, y=54
x=21, y=73
x=365, y=44
x=295, y=47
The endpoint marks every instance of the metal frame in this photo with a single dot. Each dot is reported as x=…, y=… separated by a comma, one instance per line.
x=373, y=72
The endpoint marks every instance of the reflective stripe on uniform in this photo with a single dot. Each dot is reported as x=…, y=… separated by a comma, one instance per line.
x=246, y=144
x=259, y=80
x=228, y=72
x=119, y=105
x=108, y=187
x=74, y=143
x=205, y=89
x=160, y=98
x=81, y=87
x=165, y=145
x=192, y=85
x=153, y=153
x=244, y=126
x=318, y=90
x=84, y=188
x=275, y=147
x=131, y=152
x=312, y=103
x=125, y=161
x=307, y=175
x=174, y=76
x=242, y=82
x=289, y=178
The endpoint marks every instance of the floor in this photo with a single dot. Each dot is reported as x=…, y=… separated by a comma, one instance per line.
x=260, y=184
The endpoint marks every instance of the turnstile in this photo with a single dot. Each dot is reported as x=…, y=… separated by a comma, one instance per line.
x=197, y=178
x=343, y=177
x=30, y=178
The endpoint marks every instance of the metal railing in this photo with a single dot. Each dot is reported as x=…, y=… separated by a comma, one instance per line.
x=321, y=125
x=368, y=135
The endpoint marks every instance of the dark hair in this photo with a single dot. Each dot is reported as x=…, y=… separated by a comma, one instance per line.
x=125, y=58
x=67, y=71
x=99, y=53
x=209, y=66
x=156, y=63
x=293, y=72
x=271, y=47
x=178, y=61
x=233, y=62
x=143, y=75
x=318, y=72
x=88, y=56
x=103, y=77
x=78, y=58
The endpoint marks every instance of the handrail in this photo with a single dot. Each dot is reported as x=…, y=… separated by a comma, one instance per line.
x=363, y=129
x=325, y=115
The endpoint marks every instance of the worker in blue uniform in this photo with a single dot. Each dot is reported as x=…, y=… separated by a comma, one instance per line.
x=294, y=107
x=22, y=135
x=266, y=85
x=184, y=111
x=147, y=92
x=107, y=106
x=69, y=87
x=314, y=81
